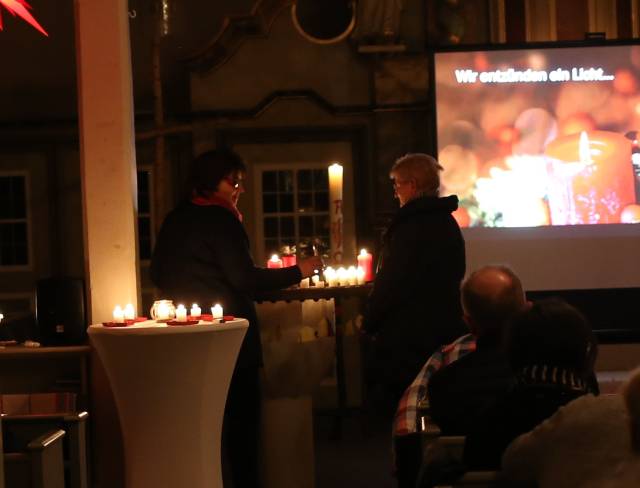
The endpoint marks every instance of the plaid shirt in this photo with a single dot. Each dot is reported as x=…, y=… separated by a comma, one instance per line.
x=405, y=421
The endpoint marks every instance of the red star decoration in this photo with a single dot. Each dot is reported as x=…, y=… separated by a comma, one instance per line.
x=21, y=9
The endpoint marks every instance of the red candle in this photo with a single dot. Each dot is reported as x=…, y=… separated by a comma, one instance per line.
x=591, y=178
x=365, y=261
x=274, y=262
x=288, y=260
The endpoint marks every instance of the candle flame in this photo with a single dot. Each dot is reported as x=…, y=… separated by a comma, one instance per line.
x=274, y=257
x=584, y=150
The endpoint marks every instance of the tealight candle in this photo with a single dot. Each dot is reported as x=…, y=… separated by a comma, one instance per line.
x=352, y=278
x=274, y=262
x=129, y=312
x=365, y=261
x=162, y=311
x=181, y=313
x=360, y=276
x=195, y=311
x=216, y=311
x=342, y=277
x=118, y=315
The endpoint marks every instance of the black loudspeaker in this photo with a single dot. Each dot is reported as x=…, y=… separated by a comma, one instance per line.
x=60, y=311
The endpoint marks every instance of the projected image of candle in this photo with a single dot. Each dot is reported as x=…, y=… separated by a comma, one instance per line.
x=591, y=178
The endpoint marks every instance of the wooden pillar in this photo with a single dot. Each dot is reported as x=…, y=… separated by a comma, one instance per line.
x=109, y=198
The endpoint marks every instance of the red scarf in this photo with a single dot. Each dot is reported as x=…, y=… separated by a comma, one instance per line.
x=213, y=199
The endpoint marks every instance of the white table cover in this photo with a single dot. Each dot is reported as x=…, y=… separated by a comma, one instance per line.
x=170, y=385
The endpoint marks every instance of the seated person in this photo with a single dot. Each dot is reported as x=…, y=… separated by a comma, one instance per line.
x=592, y=441
x=462, y=390
x=490, y=296
x=551, y=350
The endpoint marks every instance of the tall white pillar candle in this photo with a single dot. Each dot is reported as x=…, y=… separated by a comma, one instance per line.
x=335, y=211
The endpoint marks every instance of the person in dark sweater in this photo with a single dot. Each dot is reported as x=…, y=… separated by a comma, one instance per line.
x=202, y=255
x=465, y=388
x=414, y=306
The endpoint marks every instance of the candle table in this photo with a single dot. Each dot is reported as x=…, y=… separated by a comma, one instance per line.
x=170, y=386
x=338, y=293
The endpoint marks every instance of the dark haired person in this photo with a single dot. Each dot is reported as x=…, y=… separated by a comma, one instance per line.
x=414, y=306
x=202, y=256
x=551, y=350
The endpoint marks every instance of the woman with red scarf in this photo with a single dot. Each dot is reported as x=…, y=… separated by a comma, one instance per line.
x=202, y=255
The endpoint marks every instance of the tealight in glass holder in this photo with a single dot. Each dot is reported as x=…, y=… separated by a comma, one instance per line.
x=163, y=310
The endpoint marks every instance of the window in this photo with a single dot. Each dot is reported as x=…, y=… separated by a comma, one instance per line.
x=145, y=229
x=295, y=207
x=14, y=221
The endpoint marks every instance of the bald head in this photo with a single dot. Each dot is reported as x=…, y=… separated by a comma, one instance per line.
x=490, y=296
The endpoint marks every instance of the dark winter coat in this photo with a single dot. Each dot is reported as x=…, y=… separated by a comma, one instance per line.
x=202, y=256
x=415, y=304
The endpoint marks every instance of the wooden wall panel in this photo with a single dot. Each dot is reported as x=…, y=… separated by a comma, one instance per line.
x=572, y=19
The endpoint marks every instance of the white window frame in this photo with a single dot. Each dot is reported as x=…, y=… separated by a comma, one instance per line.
x=28, y=220
x=260, y=214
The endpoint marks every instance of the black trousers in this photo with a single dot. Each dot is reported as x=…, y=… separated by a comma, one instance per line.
x=408, y=459
x=241, y=430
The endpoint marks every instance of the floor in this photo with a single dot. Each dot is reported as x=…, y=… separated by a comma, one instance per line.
x=361, y=458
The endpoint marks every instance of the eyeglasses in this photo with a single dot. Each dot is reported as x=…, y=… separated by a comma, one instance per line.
x=235, y=182
x=396, y=182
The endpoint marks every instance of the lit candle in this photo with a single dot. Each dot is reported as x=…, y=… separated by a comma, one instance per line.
x=162, y=311
x=330, y=276
x=365, y=261
x=335, y=210
x=129, y=312
x=216, y=311
x=320, y=284
x=195, y=311
x=274, y=262
x=591, y=178
x=343, y=279
x=360, y=274
x=352, y=277
x=304, y=283
x=315, y=279
x=118, y=315
x=181, y=313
